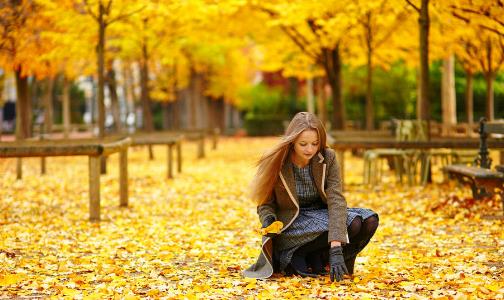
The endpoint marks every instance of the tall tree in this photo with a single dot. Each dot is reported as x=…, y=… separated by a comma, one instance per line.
x=318, y=30
x=105, y=13
x=379, y=23
x=423, y=105
x=489, y=41
x=21, y=47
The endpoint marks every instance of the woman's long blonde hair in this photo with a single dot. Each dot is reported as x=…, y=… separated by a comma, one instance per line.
x=270, y=164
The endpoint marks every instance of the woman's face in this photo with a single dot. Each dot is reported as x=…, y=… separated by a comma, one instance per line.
x=306, y=145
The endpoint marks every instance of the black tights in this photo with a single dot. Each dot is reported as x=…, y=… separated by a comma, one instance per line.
x=315, y=253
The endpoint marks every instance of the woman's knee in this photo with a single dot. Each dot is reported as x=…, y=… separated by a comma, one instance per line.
x=355, y=227
x=371, y=224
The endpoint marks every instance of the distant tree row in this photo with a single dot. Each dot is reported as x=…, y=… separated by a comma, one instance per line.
x=208, y=53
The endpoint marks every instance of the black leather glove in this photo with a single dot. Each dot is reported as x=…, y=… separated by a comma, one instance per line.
x=337, y=263
x=267, y=222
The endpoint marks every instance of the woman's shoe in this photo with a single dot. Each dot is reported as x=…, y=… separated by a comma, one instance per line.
x=350, y=263
x=306, y=274
x=299, y=266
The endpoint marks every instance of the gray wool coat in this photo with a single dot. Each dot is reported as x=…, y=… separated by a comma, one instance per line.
x=284, y=205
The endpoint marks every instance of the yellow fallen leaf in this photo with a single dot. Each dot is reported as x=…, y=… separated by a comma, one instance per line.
x=492, y=287
x=275, y=227
x=10, y=279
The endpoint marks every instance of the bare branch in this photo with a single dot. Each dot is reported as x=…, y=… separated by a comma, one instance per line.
x=480, y=13
x=413, y=5
x=292, y=33
x=124, y=16
x=89, y=10
x=460, y=17
x=403, y=16
x=299, y=40
x=108, y=7
x=491, y=29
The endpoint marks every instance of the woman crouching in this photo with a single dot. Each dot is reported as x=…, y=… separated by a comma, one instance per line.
x=298, y=183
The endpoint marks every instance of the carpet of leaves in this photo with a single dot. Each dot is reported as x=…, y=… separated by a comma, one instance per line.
x=192, y=236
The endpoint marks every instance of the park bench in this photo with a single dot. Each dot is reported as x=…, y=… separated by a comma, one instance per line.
x=162, y=138
x=199, y=135
x=93, y=148
x=482, y=180
x=193, y=135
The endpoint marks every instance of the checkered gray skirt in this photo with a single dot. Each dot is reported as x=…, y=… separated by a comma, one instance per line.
x=310, y=223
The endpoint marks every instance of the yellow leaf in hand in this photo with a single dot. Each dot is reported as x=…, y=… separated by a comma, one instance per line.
x=275, y=227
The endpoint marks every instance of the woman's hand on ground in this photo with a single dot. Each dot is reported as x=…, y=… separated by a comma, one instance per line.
x=337, y=263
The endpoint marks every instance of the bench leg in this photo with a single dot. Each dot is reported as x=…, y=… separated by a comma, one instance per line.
x=94, y=188
x=215, y=138
x=123, y=177
x=425, y=167
x=366, y=168
x=201, y=148
x=179, y=156
x=397, y=169
x=151, y=152
x=42, y=165
x=170, y=160
x=19, y=168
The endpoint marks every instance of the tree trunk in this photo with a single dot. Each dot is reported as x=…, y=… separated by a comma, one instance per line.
x=177, y=112
x=211, y=113
x=114, y=99
x=148, y=124
x=165, y=106
x=100, y=49
x=66, y=107
x=192, y=95
x=369, y=79
x=424, y=23
x=489, y=78
x=489, y=112
x=227, y=116
x=469, y=95
x=310, y=103
x=2, y=101
x=48, y=105
x=332, y=66
x=23, y=120
x=129, y=91
x=292, y=93
x=448, y=97
x=321, y=100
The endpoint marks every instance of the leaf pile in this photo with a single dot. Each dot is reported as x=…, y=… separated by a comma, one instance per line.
x=192, y=236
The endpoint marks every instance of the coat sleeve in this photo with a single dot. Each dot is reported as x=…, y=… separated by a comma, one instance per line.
x=267, y=209
x=336, y=203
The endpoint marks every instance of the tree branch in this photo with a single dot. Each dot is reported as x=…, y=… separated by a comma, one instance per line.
x=292, y=33
x=89, y=11
x=400, y=19
x=124, y=16
x=299, y=40
x=491, y=29
x=413, y=5
x=479, y=13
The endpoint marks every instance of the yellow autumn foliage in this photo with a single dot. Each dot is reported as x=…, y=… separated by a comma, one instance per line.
x=191, y=237
x=275, y=227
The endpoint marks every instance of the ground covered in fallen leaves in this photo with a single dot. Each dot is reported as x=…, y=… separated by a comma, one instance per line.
x=191, y=236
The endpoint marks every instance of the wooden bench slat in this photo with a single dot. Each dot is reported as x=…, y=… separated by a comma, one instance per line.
x=475, y=172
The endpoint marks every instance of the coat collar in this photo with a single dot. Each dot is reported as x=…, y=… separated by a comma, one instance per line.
x=288, y=175
x=317, y=167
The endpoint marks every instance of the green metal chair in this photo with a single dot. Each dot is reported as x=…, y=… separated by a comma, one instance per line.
x=404, y=161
